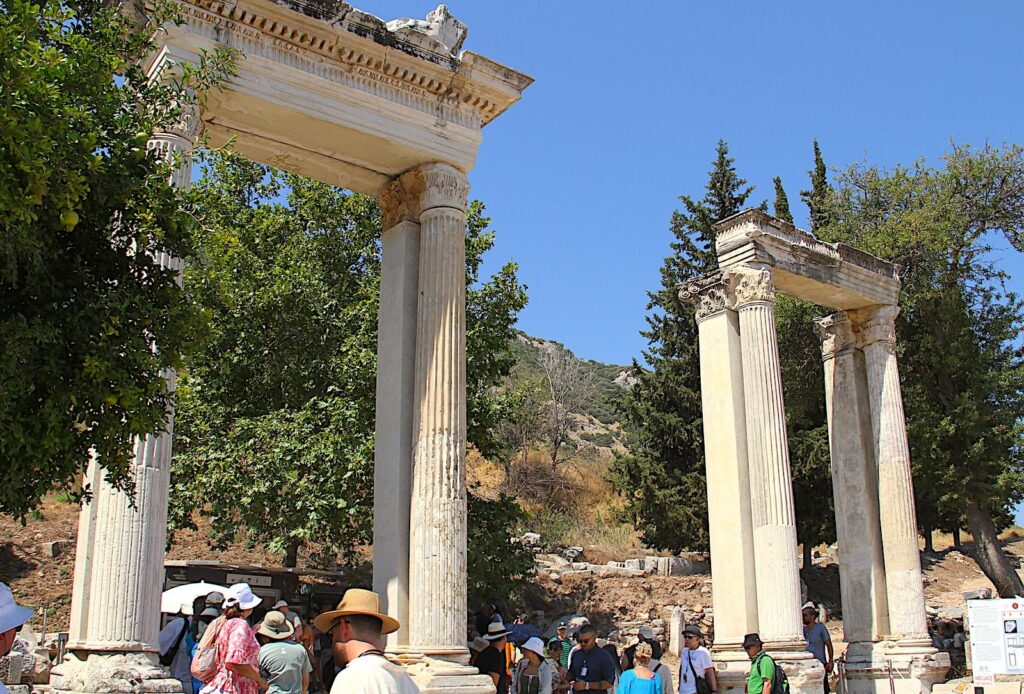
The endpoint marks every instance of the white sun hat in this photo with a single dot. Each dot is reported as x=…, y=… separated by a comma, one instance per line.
x=534, y=644
x=12, y=615
x=241, y=594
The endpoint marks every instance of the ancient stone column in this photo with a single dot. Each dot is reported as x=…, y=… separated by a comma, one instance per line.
x=854, y=483
x=437, y=564
x=876, y=334
x=396, y=358
x=115, y=606
x=725, y=452
x=771, y=489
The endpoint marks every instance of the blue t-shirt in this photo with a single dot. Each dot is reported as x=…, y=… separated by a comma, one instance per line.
x=816, y=638
x=629, y=683
x=595, y=665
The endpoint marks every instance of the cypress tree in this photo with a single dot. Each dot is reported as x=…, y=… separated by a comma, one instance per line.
x=781, y=202
x=818, y=196
x=662, y=479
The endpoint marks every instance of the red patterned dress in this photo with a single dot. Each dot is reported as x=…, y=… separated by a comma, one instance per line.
x=236, y=645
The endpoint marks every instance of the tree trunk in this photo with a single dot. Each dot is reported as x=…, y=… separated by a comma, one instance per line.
x=989, y=553
x=929, y=543
x=956, y=538
x=291, y=555
x=808, y=559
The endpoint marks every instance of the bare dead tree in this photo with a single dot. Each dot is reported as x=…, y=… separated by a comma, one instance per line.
x=570, y=387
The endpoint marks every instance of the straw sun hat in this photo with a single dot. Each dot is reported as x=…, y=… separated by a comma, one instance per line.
x=356, y=601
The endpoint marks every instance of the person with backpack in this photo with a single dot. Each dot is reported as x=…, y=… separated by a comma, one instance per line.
x=176, y=647
x=765, y=676
x=696, y=670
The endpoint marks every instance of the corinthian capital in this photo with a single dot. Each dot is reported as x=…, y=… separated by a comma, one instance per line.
x=709, y=292
x=874, y=324
x=399, y=200
x=443, y=186
x=751, y=284
x=836, y=334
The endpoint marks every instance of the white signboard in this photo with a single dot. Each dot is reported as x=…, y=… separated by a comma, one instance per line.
x=997, y=637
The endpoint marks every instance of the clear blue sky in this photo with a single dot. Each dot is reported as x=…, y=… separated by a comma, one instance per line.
x=582, y=175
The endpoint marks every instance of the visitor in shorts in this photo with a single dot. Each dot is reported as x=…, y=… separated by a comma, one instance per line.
x=694, y=662
x=283, y=662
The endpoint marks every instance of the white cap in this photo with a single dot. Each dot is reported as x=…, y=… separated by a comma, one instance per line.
x=241, y=594
x=12, y=615
x=280, y=603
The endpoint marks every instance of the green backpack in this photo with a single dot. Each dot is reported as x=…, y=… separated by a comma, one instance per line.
x=780, y=683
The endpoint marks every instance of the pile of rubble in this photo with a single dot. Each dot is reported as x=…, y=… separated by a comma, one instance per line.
x=554, y=566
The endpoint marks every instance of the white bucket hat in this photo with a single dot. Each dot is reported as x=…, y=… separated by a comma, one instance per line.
x=534, y=644
x=12, y=615
x=241, y=594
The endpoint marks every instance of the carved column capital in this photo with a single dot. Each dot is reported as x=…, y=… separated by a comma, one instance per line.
x=836, y=333
x=875, y=324
x=751, y=285
x=709, y=292
x=422, y=188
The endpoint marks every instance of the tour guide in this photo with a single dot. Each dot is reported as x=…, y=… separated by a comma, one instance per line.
x=591, y=669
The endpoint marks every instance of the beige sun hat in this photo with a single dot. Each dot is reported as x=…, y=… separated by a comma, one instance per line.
x=275, y=625
x=356, y=601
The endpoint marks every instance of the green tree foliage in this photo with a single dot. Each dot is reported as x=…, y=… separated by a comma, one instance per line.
x=958, y=330
x=817, y=198
x=275, y=420
x=662, y=480
x=83, y=212
x=496, y=563
x=781, y=205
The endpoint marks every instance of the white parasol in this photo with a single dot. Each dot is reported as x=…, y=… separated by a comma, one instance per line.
x=172, y=599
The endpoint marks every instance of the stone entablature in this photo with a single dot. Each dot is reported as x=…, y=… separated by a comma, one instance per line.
x=337, y=94
x=804, y=266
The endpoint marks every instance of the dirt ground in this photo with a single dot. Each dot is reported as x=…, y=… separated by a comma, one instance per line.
x=44, y=582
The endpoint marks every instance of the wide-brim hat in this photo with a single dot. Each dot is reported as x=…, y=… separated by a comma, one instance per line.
x=241, y=594
x=495, y=630
x=12, y=615
x=478, y=644
x=275, y=626
x=752, y=640
x=357, y=601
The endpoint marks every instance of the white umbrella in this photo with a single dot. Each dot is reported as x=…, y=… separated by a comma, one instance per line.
x=172, y=599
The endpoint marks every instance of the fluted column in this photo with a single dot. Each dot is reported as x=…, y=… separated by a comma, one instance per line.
x=437, y=565
x=725, y=453
x=396, y=360
x=772, y=514
x=876, y=332
x=119, y=561
x=854, y=483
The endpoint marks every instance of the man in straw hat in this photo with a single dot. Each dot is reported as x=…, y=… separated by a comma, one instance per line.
x=283, y=662
x=12, y=616
x=358, y=624
x=492, y=660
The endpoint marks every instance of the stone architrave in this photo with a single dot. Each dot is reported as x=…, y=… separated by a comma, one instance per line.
x=854, y=483
x=728, y=476
x=115, y=609
x=876, y=335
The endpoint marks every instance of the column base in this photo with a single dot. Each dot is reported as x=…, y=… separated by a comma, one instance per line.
x=83, y=672
x=892, y=667
x=804, y=672
x=435, y=676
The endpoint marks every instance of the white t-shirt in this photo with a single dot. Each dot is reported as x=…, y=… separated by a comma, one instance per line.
x=373, y=674
x=701, y=660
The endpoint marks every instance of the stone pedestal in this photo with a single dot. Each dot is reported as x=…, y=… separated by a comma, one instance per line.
x=109, y=673
x=771, y=489
x=445, y=677
x=888, y=667
x=732, y=668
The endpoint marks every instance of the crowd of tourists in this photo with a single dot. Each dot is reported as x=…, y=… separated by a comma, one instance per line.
x=213, y=647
